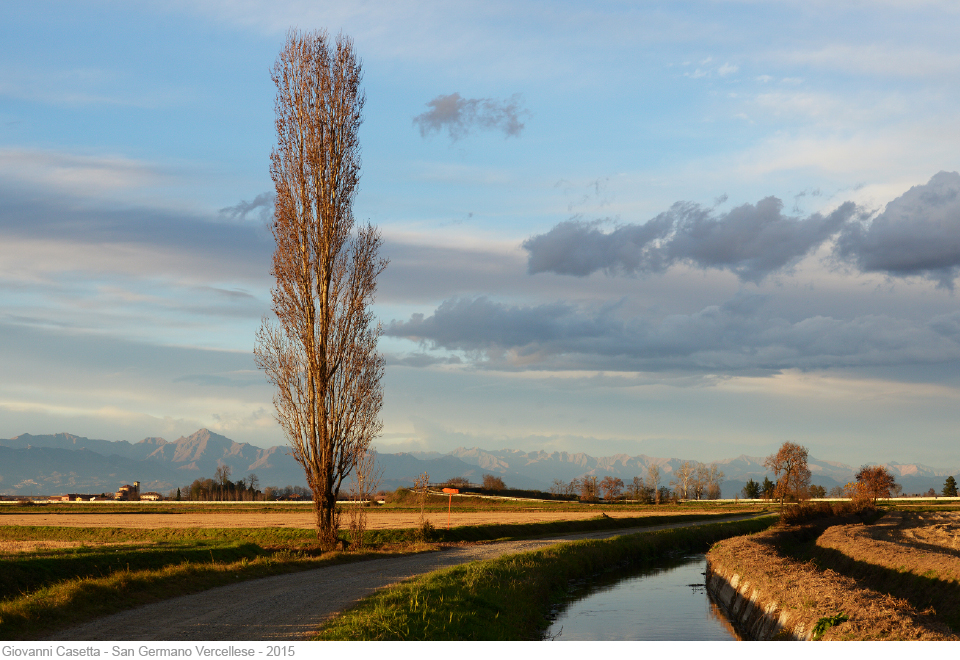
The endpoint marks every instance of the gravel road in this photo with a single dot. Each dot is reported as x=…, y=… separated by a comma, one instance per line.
x=292, y=607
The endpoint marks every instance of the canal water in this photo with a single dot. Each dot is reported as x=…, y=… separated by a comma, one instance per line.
x=663, y=603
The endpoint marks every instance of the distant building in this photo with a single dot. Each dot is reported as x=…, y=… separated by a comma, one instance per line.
x=128, y=492
x=151, y=497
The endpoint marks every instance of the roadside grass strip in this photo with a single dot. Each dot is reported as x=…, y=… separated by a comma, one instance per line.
x=510, y=598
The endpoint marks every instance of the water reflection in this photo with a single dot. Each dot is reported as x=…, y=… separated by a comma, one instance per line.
x=665, y=603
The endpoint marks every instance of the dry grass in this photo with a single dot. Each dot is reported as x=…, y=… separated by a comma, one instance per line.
x=822, y=586
x=923, y=544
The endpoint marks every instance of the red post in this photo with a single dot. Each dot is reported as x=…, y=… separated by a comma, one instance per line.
x=451, y=492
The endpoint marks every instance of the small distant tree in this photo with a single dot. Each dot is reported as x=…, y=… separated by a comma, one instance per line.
x=638, y=490
x=588, y=489
x=818, y=491
x=836, y=491
x=876, y=480
x=178, y=495
x=493, y=483
x=612, y=487
x=222, y=476
x=714, y=482
x=682, y=478
x=789, y=465
x=457, y=482
x=653, y=481
x=751, y=490
x=768, y=488
x=950, y=487
x=930, y=493
x=700, y=480
x=559, y=487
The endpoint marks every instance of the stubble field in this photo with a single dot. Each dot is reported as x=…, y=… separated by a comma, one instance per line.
x=304, y=518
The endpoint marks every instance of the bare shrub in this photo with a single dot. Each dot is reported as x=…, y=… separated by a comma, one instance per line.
x=421, y=487
x=493, y=483
x=368, y=476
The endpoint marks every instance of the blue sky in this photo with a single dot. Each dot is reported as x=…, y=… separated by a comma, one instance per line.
x=690, y=229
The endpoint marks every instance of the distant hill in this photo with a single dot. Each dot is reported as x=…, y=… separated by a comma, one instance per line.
x=61, y=463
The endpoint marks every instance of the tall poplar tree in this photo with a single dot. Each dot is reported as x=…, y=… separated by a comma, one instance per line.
x=321, y=349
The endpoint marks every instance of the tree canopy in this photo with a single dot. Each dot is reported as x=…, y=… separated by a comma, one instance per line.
x=789, y=465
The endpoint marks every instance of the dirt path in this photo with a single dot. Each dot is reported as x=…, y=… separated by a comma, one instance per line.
x=292, y=607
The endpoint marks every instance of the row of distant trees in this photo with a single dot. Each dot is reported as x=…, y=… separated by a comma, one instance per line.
x=220, y=488
x=692, y=480
x=789, y=465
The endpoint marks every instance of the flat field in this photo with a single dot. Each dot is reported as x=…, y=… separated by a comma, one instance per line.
x=402, y=513
x=231, y=518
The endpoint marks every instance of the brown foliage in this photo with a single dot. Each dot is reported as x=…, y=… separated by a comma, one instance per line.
x=612, y=487
x=491, y=482
x=321, y=354
x=589, y=489
x=790, y=462
x=876, y=481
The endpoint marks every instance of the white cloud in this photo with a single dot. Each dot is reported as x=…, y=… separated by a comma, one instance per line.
x=77, y=174
x=881, y=60
x=727, y=68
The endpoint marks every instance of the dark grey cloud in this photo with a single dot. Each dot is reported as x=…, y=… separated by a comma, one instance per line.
x=752, y=241
x=917, y=234
x=419, y=360
x=263, y=203
x=201, y=244
x=460, y=116
x=739, y=336
x=64, y=356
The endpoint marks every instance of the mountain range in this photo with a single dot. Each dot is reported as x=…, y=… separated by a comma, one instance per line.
x=62, y=463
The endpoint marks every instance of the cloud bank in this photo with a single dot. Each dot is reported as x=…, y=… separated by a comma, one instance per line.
x=737, y=337
x=917, y=234
x=460, y=116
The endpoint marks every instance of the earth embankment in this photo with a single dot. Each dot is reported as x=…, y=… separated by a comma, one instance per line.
x=858, y=582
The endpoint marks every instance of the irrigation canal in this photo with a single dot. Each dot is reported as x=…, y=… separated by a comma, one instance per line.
x=664, y=602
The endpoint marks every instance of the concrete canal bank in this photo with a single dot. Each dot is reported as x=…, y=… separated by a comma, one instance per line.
x=754, y=612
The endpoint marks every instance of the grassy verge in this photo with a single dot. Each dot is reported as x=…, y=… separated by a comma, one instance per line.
x=72, y=602
x=510, y=598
